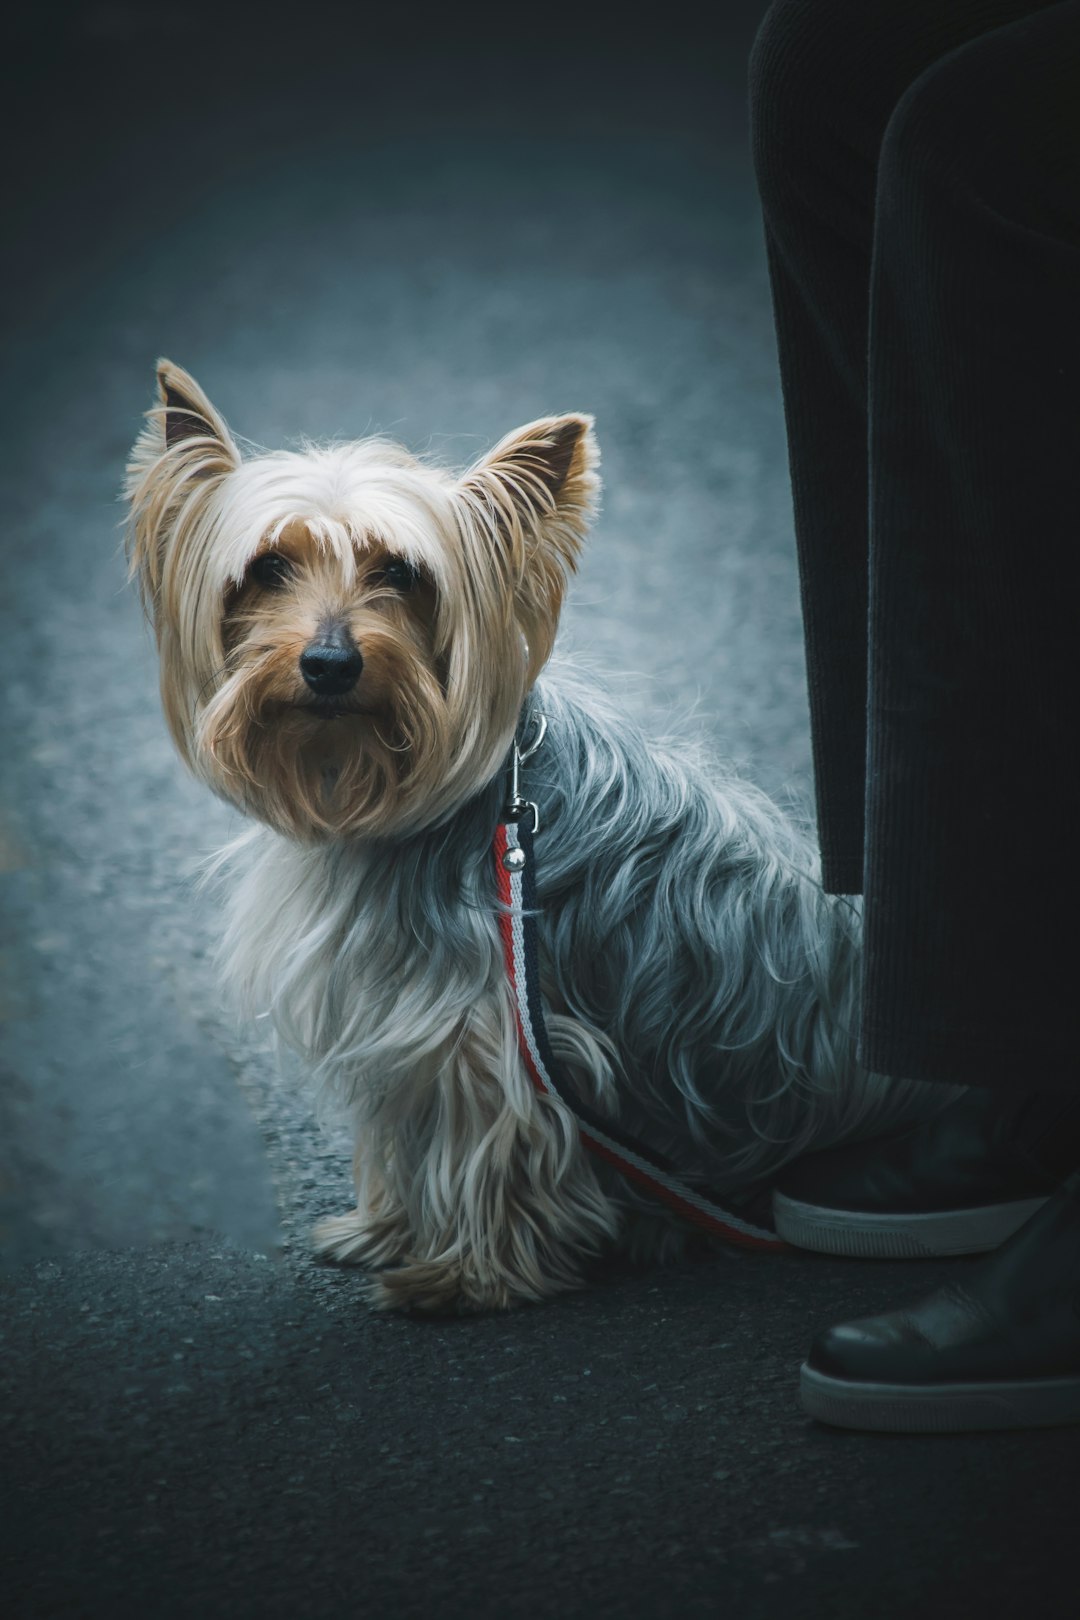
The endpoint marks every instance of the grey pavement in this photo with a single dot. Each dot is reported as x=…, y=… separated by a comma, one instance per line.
x=437, y=228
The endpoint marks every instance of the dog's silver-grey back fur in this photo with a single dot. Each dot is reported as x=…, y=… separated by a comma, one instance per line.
x=681, y=913
x=701, y=986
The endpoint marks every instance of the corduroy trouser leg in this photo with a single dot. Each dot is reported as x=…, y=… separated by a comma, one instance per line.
x=919, y=169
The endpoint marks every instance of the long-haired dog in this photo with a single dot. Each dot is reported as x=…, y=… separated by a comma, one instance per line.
x=350, y=639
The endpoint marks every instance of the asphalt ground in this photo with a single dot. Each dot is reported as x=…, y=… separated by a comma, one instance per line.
x=438, y=227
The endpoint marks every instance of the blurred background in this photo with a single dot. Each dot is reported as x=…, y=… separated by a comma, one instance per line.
x=437, y=223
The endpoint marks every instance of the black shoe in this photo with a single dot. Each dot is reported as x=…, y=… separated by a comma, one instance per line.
x=959, y=1183
x=998, y=1348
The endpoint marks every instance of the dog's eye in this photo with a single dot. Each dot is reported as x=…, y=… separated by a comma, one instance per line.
x=271, y=571
x=401, y=574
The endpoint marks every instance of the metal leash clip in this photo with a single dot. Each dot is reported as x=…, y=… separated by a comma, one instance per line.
x=516, y=806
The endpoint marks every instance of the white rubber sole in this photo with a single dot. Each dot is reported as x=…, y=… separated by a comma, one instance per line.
x=938, y=1408
x=899, y=1237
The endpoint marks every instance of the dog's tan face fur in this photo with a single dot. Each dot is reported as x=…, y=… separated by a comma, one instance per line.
x=447, y=588
x=328, y=763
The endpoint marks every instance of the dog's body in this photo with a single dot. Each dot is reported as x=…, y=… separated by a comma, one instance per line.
x=699, y=985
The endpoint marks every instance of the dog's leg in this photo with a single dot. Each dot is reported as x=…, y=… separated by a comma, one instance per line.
x=376, y=1232
x=501, y=1203
x=519, y=1222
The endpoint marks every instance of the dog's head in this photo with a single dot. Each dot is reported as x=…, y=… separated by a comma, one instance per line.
x=346, y=634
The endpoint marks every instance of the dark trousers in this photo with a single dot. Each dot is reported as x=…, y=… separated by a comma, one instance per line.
x=919, y=169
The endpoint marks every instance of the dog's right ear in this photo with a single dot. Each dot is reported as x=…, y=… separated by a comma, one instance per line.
x=178, y=460
x=186, y=413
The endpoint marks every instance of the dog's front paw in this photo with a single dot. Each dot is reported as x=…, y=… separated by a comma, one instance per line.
x=360, y=1239
x=445, y=1287
x=429, y=1286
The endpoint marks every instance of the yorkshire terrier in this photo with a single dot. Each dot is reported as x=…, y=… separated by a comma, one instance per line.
x=355, y=651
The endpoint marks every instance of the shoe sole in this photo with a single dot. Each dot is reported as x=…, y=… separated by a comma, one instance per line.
x=861, y=1236
x=938, y=1408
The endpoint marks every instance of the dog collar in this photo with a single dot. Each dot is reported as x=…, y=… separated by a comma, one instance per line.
x=515, y=875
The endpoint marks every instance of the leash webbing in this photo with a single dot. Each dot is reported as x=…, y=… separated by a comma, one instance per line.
x=514, y=869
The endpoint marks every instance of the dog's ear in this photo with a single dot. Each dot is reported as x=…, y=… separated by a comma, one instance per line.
x=185, y=413
x=541, y=476
x=535, y=494
x=179, y=458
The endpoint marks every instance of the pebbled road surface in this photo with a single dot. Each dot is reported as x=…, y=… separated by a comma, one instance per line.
x=439, y=227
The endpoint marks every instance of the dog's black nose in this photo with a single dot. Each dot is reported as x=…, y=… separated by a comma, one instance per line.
x=331, y=665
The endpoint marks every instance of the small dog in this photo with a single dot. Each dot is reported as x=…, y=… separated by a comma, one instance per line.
x=350, y=640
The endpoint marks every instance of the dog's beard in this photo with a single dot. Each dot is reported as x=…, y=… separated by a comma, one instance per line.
x=314, y=768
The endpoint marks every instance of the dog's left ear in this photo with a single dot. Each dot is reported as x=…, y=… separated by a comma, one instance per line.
x=535, y=494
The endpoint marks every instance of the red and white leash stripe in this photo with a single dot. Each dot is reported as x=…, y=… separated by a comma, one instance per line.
x=517, y=927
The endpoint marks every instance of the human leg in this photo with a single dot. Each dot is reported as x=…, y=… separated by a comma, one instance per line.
x=825, y=77
x=972, y=786
x=972, y=781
